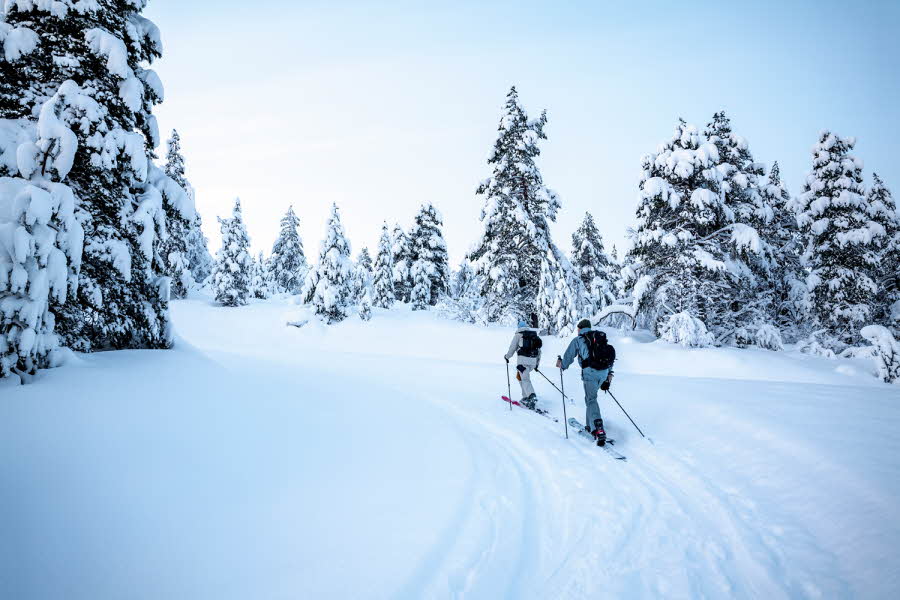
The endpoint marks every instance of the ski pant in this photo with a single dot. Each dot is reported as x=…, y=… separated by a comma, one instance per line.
x=529, y=364
x=592, y=378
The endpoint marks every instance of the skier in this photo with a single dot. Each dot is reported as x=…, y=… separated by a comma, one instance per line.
x=596, y=357
x=527, y=345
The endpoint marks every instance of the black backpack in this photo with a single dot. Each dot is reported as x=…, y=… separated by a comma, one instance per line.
x=601, y=355
x=531, y=344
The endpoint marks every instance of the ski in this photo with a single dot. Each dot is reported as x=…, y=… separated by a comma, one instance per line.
x=578, y=427
x=539, y=411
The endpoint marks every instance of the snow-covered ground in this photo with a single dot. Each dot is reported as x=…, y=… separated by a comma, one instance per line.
x=376, y=460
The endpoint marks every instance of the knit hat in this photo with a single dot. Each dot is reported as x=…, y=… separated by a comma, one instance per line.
x=522, y=324
x=584, y=324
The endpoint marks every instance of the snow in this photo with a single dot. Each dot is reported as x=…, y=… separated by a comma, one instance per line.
x=16, y=41
x=261, y=460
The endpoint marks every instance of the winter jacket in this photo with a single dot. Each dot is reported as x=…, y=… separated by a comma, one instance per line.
x=578, y=347
x=517, y=343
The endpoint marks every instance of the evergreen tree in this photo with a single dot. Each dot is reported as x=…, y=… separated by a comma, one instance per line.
x=463, y=280
x=365, y=305
x=402, y=257
x=329, y=287
x=259, y=283
x=559, y=303
x=887, y=271
x=516, y=215
x=81, y=68
x=40, y=254
x=234, y=268
x=384, y=272
x=679, y=263
x=593, y=266
x=784, y=291
x=288, y=262
x=420, y=296
x=364, y=260
x=753, y=260
x=841, y=241
x=190, y=235
x=427, y=245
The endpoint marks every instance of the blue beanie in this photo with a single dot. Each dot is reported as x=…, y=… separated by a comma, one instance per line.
x=522, y=323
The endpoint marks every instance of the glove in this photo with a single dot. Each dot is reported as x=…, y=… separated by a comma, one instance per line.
x=506, y=359
x=520, y=368
x=559, y=363
x=605, y=385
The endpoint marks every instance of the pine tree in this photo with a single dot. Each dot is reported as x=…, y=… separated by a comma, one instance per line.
x=427, y=245
x=402, y=257
x=886, y=273
x=841, y=241
x=82, y=69
x=559, y=303
x=384, y=272
x=364, y=260
x=593, y=266
x=288, y=262
x=259, y=283
x=516, y=215
x=174, y=250
x=196, y=247
x=753, y=260
x=40, y=254
x=365, y=305
x=234, y=268
x=329, y=287
x=678, y=261
x=785, y=289
x=463, y=280
x=421, y=290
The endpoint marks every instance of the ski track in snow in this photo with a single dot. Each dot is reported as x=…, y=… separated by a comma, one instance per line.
x=511, y=509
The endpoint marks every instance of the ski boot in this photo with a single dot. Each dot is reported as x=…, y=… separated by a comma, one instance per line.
x=530, y=402
x=599, y=433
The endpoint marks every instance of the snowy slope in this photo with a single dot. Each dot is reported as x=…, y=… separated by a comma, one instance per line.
x=375, y=460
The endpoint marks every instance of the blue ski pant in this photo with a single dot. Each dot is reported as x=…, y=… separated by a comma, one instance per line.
x=592, y=378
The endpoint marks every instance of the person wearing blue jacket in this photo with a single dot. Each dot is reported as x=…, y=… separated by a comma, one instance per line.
x=596, y=357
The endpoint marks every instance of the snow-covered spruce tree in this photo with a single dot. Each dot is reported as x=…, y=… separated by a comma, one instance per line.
x=365, y=305
x=841, y=242
x=887, y=272
x=363, y=275
x=199, y=261
x=40, y=254
x=678, y=259
x=288, y=262
x=784, y=291
x=234, y=267
x=402, y=258
x=329, y=286
x=81, y=67
x=516, y=215
x=560, y=294
x=462, y=280
x=421, y=289
x=886, y=351
x=384, y=272
x=592, y=265
x=752, y=262
x=259, y=282
x=174, y=250
x=427, y=245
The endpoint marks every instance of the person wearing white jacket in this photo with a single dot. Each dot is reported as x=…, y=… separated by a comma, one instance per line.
x=527, y=345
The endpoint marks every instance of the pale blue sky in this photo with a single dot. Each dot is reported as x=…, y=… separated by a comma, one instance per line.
x=380, y=106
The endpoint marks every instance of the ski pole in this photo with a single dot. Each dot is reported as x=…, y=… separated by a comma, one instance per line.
x=508, y=386
x=562, y=391
x=556, y=387
x=627, y=415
